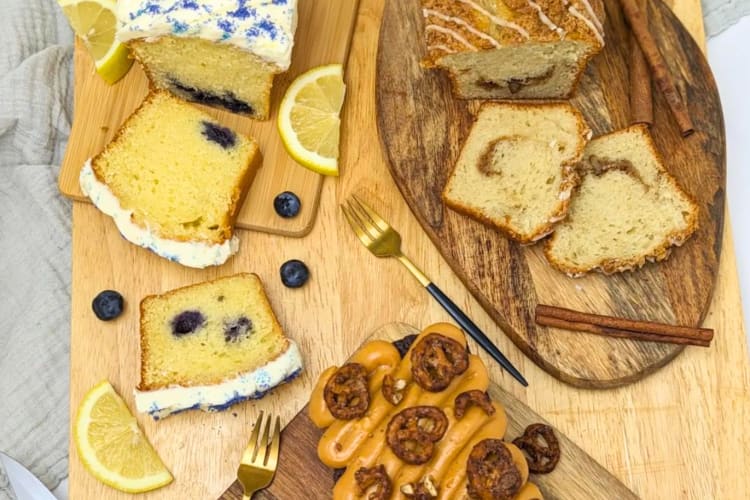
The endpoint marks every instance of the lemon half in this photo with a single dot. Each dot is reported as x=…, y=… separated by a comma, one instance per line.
x=309, y=121
x=111, y=445
x=95, y=23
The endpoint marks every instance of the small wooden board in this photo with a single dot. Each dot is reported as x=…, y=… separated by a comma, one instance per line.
x=302, y=475
x=100, y=109
x=422, y=127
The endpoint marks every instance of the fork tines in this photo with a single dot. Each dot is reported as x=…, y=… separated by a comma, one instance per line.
x=263, y=448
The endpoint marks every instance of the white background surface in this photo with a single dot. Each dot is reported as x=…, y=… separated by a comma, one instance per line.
x=729, y=56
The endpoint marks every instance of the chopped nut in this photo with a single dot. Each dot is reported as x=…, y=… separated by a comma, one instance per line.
x=407, y=489
x=393, y=390
x=430, y=486
x=425, y=489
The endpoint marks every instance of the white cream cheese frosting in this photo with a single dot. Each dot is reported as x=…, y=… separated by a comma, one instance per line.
x=188, y=253
x=263, y=27
x=161, y=403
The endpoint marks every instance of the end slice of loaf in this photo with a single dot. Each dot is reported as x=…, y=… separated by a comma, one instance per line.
x=516, y=169
x=495, y=49
x=628, y=209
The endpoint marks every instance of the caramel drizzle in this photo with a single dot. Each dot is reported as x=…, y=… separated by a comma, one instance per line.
x=451, y=33
x=361, y=442
x=457, y=20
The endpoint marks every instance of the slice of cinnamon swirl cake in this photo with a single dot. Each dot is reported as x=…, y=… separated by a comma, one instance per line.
x=513, y=49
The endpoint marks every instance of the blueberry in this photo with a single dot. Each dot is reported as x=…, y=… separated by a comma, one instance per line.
x=286, y=204
x=222, y=136
x=107, y=305
x=294, y=273
x=187, y=322
x=237, y=328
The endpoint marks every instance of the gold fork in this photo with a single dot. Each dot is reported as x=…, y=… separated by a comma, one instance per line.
x=384, y=241
x=260, y=458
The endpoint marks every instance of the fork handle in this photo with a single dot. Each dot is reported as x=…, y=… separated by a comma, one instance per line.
x=474, y=331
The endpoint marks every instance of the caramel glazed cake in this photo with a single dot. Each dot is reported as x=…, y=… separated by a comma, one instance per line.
x=513, y=49
x=222, y=53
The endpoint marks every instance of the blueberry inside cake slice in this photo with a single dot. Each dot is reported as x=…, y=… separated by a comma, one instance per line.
x=222, y=53
x=211, y=345
x=173, y=180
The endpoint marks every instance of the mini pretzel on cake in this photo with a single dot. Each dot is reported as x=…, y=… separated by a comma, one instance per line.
x=428, y=428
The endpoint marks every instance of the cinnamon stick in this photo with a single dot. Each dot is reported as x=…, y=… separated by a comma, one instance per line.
x=641, y=100
x=568, y=319
x=659, y=70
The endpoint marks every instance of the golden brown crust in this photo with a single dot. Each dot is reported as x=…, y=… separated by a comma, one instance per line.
x=144, y=355
x=661, y=252
x=456, y=26
x=569, y=182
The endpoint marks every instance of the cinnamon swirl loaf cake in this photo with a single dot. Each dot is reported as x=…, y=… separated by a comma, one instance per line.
x=627, y=211
x=513, y=49
x=516, y=170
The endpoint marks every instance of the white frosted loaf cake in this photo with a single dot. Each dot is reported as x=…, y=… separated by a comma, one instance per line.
x=211, y=345
x=173, y=180
x=222, y=53
x=513, y=49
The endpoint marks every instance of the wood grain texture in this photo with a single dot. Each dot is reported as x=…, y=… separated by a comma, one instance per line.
x=302, y=475
x=422, y=127
x=100, y=109
x=673, y=435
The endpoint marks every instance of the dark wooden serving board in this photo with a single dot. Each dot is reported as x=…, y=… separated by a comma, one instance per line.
x=302, y=475
x=422, y=127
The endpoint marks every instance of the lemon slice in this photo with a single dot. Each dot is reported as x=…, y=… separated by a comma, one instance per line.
x=95, y=22
x=112, y=446
x=309, y=121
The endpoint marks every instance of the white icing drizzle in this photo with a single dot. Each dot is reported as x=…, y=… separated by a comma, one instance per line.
x=444, y=48
x=460, y=22
x=499, y=21
x=449, y=32
x=575, y=13
x=546, y=20
x=592, y=14
x=161, y=403
x=188, y=253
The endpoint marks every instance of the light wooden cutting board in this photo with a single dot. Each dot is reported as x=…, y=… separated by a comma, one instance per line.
x=422, y=127
x=672, y=435
x=100, y=109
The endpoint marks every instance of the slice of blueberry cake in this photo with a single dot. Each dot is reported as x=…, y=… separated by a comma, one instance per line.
x=173, y=180
x=223, y=53
x=211, y=345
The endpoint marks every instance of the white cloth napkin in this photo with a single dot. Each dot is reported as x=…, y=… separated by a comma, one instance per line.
x=718, y=15
x=35, y=116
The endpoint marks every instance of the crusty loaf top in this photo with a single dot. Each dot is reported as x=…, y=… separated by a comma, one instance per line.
x=453, y=26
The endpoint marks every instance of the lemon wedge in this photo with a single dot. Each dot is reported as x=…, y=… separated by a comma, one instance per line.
x=309, y=121
x=112, y=446
x=95, y=22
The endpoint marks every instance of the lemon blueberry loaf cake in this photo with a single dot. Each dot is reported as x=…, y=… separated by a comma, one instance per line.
x=627, y=210
x=174, y=180
x=513, y=49
x=211, y=345
x=516, y=169
x=222, y=53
